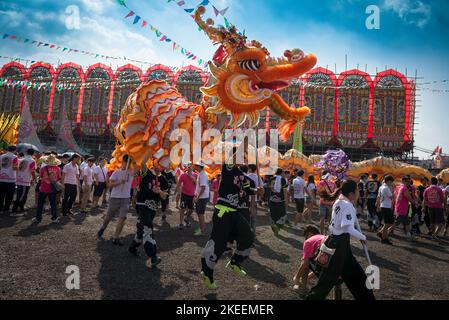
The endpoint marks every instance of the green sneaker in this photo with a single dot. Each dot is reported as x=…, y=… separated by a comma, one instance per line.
x=209, y=284
x=198, y=233
x=237, y=269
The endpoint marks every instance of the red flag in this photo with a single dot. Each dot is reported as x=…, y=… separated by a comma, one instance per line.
x=144, y=23
x=130, y=14
x=435, y=151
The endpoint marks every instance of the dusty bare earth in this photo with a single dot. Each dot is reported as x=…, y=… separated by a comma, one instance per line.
x=33, y=261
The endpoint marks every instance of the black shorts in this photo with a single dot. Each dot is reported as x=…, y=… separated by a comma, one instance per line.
x=436, y=215
x=404, y=220
x=186, y=202
x=98, y=190
x=387, y=215
x=200, y=206
x=299, y=205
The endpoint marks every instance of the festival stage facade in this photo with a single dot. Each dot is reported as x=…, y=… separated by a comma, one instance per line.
x=362, y=114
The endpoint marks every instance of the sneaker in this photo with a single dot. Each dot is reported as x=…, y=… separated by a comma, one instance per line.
x=55, y=221
x=237, y=269
x=386, y=241
x=117, y=242
x=275, y=229
x=198, y=233
x=155, y=261
x=181, y=227
x=187, y=222
x=288, y=223
x=207, y=281
x=298, y=227
x=35, y=220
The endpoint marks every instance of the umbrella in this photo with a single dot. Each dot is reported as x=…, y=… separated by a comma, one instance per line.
x=24, y=147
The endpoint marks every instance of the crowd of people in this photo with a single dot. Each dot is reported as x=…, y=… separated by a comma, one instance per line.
x=60, y=181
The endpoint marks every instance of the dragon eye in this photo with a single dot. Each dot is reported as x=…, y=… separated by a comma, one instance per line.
x=250, y=65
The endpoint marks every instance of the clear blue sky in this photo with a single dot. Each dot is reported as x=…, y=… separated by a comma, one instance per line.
x=412, y=36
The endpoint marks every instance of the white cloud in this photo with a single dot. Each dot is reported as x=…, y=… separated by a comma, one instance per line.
x=413, y=12
x=96, y=6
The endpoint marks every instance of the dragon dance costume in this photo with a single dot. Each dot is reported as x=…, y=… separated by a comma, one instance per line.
x=228, y=223
x=147, y=205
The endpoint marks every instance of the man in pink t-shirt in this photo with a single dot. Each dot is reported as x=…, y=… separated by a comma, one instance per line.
x=434, y=200
x=402, y=198
x=312, y=243
x=50, y=173
x=186, y=187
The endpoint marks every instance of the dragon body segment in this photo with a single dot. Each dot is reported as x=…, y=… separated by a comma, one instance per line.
x=246, y=79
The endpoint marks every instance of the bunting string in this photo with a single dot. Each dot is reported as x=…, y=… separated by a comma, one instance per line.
x=144, y=23
x=203, y=3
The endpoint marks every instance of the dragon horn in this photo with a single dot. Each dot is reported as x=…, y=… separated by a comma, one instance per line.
x=208, y=28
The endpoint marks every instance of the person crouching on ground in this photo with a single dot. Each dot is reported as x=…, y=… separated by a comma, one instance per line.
x=120, y=183
x=148, y=201
x=337, y=259
x=312, y=244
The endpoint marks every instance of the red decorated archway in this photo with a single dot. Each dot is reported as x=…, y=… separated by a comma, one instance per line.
x=161, y=67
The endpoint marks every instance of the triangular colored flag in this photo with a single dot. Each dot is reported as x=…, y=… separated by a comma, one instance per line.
x=163, y=38
x=5, y=36
x=222, y=12
x=181, y=3
x=216, y=11
x=226, y=23
x=121, y=2
x=204, y=3
x=158, y=33
x=168, y=40
x=189, y=10
x=144, y=23
x=52, y=46
x=130, y=14
x=136, y=19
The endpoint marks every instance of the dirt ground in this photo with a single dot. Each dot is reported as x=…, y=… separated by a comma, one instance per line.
x=34, y=258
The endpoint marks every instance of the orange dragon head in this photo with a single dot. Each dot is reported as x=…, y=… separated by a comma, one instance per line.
x=248, y=78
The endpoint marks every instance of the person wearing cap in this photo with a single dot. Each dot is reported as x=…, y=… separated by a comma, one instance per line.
x=201, y=197
x=227, y=224
x=335, y=257
x=70, y=181
x=88, y=180
x=148, y=199
x=49, y=174
x=26, y=176
x=9, y=164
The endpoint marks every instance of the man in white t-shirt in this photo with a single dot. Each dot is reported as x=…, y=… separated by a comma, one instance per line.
x=8, y=173
x=82, y=165
x=26, y=176
x=88, y=180
x=299, y=192
x=201, y=197
x=385, y=204
x=100, y=181
x=70, y=182
x=120, y=183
